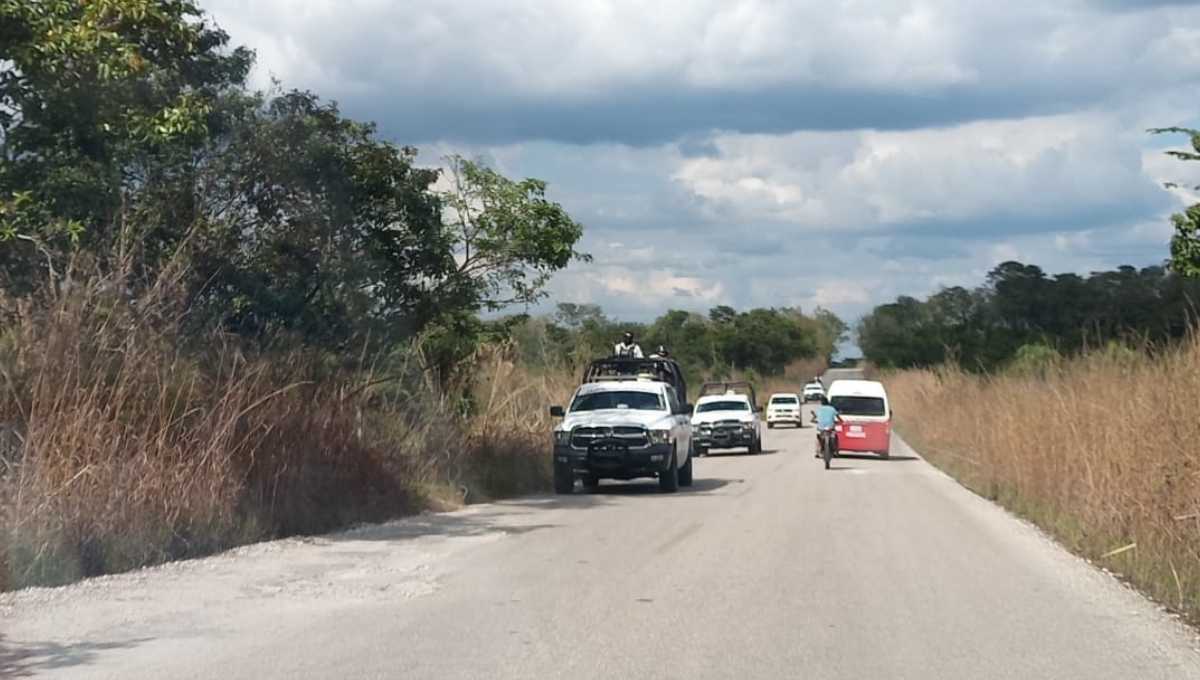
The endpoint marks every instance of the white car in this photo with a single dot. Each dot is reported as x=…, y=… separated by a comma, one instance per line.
x=813, y=391
x=726, y=421
x=784, y=407
x=623, y=429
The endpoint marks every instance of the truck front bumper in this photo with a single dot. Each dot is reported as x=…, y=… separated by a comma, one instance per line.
x=723, y=437
x=608, y=459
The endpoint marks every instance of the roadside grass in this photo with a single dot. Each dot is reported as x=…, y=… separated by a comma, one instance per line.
x=124, y=444
x=1102, y=450
x=120, y=449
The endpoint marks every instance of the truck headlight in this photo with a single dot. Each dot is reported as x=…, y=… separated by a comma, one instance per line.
x=660, y=436
x=749, y=425
x=562, y=436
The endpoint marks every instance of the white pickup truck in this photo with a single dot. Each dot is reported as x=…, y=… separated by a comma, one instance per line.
x=813, y=391
x=728, y=419
x=624, y=425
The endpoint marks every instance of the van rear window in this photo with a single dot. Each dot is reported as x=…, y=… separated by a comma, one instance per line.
x=858, y=406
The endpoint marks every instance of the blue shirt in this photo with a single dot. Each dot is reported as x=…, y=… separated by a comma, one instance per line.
x=826, y=416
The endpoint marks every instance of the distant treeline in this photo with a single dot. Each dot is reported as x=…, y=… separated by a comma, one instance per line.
x=1022, y=313
x=762, y=341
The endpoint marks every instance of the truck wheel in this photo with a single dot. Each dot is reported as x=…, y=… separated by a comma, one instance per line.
x=564, y=480
x=591, y=483
x=755, y=446
x=770, y=426
x=685, y=473
x=668, y=480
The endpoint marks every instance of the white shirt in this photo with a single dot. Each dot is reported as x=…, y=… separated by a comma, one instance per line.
x=633, y=350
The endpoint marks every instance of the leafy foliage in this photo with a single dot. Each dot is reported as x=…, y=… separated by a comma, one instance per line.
x=1185, y=243
x=131, y=141
x=1024, y=315
x=98, y=93
x=231, y=314
x=763, y=341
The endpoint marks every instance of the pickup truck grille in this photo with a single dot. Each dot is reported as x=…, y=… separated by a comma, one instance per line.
x=633, y=437
x=721, y=426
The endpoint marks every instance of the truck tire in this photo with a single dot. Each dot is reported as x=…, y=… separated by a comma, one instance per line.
x=668, y=480
x=685, y=473
x=564, y=480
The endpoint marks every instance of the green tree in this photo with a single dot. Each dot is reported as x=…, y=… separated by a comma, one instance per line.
x=129, y=137
x=508, y=239
x=834, y=331
x=1185, y=243
x=311, y=229
x=757, y=341
x=98, y=93
x=1020, y=307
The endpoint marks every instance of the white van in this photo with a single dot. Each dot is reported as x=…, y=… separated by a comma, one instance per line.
x=867, y=415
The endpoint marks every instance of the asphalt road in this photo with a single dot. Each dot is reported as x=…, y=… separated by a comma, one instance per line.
x=769, y=567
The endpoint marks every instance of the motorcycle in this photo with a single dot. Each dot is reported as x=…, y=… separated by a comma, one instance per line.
x=828, y=445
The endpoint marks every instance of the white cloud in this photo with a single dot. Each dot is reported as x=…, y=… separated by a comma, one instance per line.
x=550, y=48
x=864, y=180
x=736, y=200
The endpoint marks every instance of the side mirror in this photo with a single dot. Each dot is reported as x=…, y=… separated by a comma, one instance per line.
x=557, y=411
x=891, y=413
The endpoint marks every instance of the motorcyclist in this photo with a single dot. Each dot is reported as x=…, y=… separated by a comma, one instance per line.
x=628, y=348
x=826, y=417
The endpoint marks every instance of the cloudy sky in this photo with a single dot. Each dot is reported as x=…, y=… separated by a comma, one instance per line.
x=780, y=152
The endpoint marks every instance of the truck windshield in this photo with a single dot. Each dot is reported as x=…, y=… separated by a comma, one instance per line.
x=783, y=400
x=728, y=405
x=631, y=399
x=858, y=406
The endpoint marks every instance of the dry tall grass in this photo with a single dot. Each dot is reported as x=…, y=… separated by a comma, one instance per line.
x=1103, y=451
x=123, y=445
x=119, y=449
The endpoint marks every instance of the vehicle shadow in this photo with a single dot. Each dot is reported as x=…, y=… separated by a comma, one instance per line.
x=609, y=490
x=504, y=515
x=450, y=524
x=871, y=456
x=737, y=454
x=650, y=488
x=25, y=660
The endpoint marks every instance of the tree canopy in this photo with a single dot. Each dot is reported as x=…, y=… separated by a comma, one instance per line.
x=1019, y=305
x=1185, y=242
x=762, y=341
x=130, y=141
